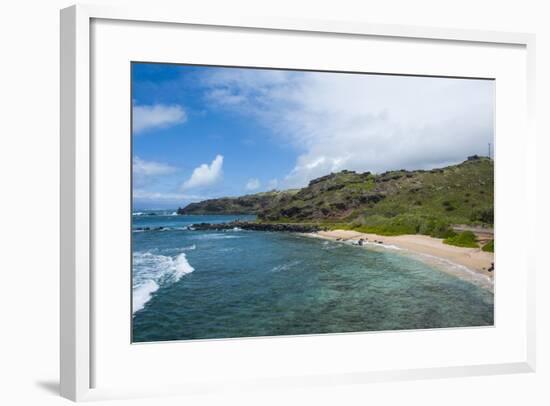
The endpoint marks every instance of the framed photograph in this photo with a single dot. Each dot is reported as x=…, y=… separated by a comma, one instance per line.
x=266, y=203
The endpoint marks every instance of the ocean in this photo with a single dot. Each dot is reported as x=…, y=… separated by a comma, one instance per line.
x=190, y=284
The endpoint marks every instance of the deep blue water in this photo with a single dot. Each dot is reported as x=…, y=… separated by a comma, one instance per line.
x=206, y=284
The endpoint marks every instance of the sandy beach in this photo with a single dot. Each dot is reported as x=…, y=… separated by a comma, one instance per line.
x=472, y=258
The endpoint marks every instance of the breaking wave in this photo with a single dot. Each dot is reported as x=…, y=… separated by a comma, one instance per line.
x=151, y=271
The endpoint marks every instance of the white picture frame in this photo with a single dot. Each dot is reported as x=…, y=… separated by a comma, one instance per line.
x=76, y=279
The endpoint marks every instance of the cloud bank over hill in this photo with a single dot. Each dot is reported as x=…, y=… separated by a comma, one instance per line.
x=210, y=132
x=360, y=122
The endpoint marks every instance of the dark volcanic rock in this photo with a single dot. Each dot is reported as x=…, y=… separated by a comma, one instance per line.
x=287, y=227
x=371, y=197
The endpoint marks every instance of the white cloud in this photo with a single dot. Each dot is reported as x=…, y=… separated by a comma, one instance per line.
x=205, y=175
x=142, y=167
x=145, y=172
x=224, y=96
x=253, y=184
x=156, y=116
x=362, y=122
x=147, y=195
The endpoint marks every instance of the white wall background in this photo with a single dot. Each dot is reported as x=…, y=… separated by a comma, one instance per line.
x=29, y=187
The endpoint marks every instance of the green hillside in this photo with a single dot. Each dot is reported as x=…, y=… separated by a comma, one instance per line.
x=394, y=202
x=248, y=204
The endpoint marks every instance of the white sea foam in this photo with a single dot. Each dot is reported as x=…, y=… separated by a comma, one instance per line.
x=142, y=294
x=216, y=236
x=388, y=246
x=329, y=245
x=151, y=271
x=445, y=265
x=182, y=267
x=286, y=266
x=373, y=244
x=232, y=230
x=459, y=270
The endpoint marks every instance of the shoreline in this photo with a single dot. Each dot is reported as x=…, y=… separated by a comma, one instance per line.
x=432, y=249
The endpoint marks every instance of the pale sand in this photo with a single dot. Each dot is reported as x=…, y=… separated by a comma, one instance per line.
x=472, y=258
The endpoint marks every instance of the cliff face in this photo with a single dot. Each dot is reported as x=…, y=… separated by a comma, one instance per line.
x=461, y=194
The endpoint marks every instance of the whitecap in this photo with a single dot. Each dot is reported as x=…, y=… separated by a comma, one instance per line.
x=142, y=293
x=286, y=266
x=152, y=271
x=234, y=229
x=215, y=236
x=182, y=266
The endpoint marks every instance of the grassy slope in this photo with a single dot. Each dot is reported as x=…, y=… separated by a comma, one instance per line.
x=464, y=239
x=397, y=202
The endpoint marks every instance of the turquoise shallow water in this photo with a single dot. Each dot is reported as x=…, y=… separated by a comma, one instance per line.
x=197, y=285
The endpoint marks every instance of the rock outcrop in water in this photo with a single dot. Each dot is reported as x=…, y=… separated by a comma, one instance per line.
x=287, y=227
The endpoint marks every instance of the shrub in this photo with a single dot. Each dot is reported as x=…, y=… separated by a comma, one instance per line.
x=406, y=224
x=448, y=206
x=402, y=224
x=436, y=228
x=483, y=215
x=489, y=247
x=464, y=239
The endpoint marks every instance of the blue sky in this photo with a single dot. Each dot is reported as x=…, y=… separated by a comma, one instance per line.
x=204, y=132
